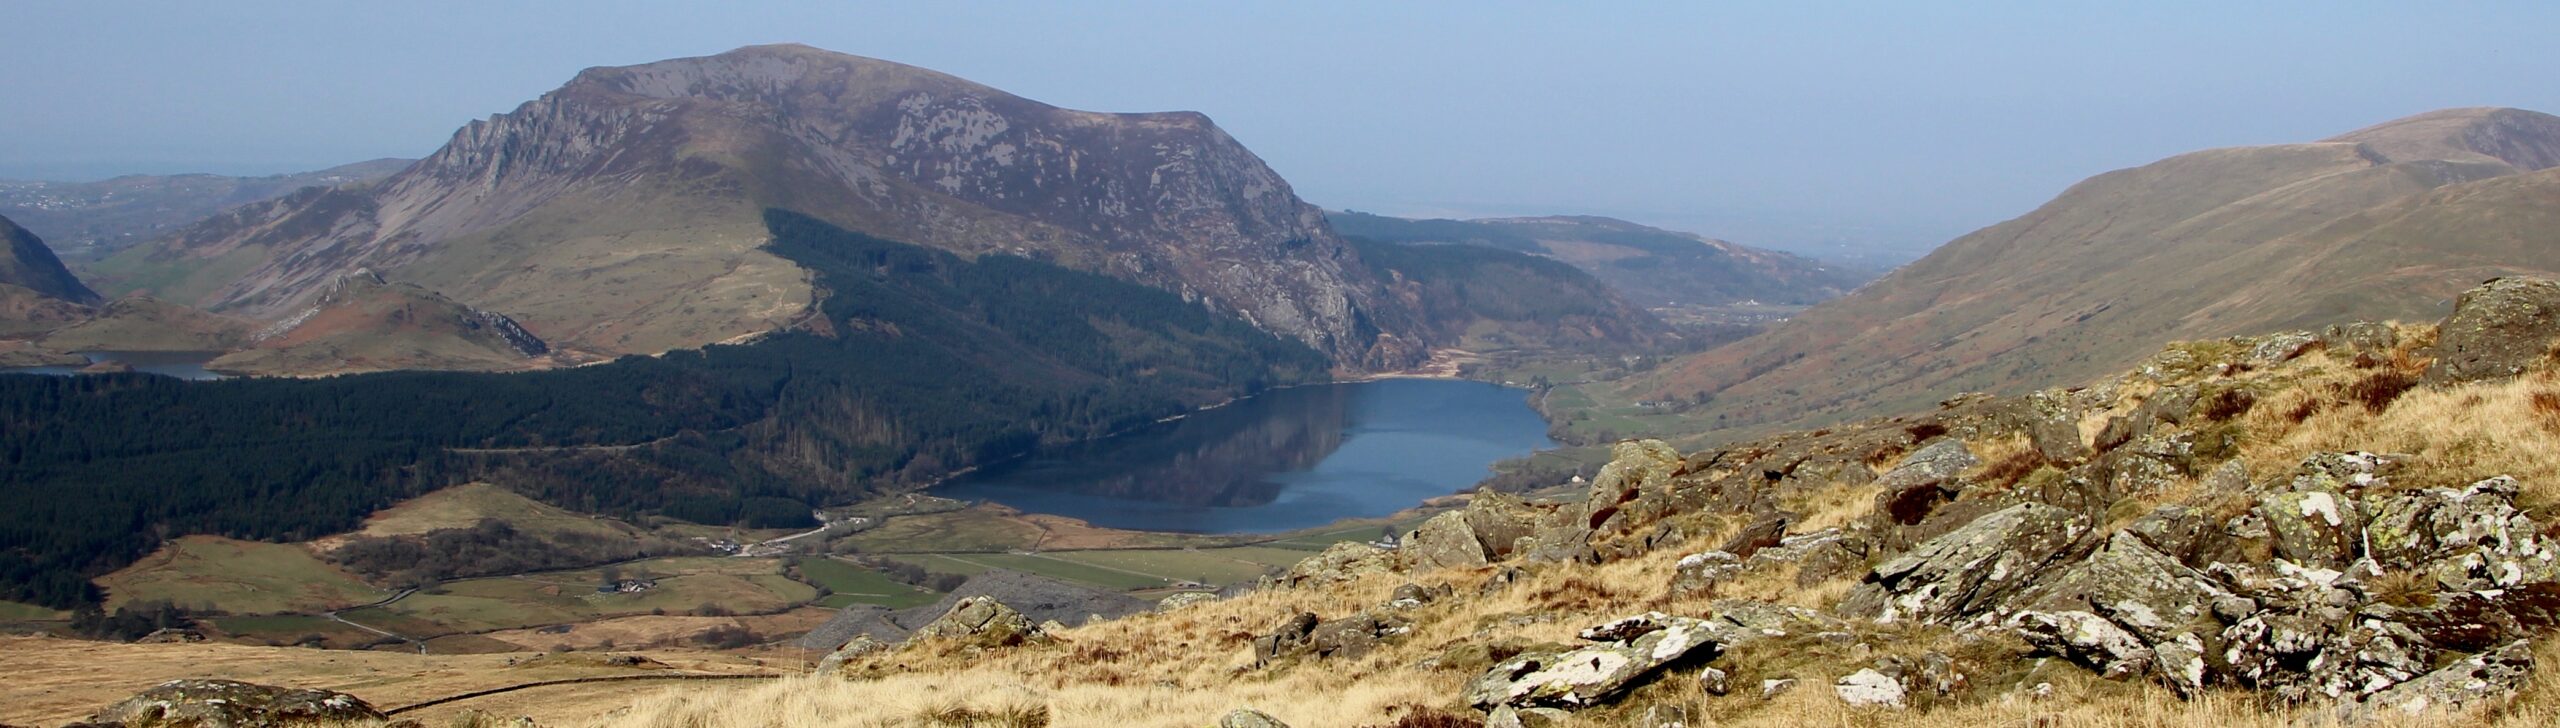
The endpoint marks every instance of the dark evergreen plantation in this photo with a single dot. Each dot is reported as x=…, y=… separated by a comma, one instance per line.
x=917, y=362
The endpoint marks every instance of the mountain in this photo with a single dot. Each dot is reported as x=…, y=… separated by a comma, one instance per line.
x=1651, y=267
x=89, y=220
x=365, y=323
x=36, y=293
x=623, y=212
x=1483, y=299
x=2385, y=222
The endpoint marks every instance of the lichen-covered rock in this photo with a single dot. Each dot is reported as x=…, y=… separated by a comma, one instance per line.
x=1964, y=573
x=1936, y=465
x=2087, y=639
x=234, y=704
x=2496, y=330
x=2281, y=348
x=1715, y=682
x=1868, y=688
x=1737, y=622
x=1696, y=573
x=982, y=622
x=1411, y=596
x=861, y=644
x=1179, y=600
x=1338, y=563
x=1631, y=650
x=2128, y=582
x=1249, y=718
x=1634, y=488
x=1444, y=541
x=2361, y=336
x=2315, y=527
x=2470, y=682
x=1304, y=635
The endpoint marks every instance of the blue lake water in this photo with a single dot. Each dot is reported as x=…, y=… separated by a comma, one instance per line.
x=1281, y=461
x=180, y=364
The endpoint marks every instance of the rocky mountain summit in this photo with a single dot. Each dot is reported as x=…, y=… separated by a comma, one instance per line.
x=622, y=212
x=2302, y=527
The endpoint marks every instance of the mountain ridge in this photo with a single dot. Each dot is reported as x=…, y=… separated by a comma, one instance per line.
x=521, y=209
x=2203, y=244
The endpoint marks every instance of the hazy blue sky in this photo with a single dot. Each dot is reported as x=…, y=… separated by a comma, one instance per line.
x=1779, y=123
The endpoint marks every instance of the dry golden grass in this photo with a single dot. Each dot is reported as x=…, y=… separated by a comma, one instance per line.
x=57, y=681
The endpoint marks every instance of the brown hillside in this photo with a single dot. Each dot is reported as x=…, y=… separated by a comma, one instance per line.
x=2383, y=223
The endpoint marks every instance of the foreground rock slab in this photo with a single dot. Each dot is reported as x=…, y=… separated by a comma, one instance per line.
x=1630, y=650
x=233, y=704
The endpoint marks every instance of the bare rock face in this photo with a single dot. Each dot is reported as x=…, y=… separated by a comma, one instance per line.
x=2496, y=329
x=233, y=704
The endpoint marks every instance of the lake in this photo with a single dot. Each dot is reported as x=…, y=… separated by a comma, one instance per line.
x=1282, y=461
x=180, y=364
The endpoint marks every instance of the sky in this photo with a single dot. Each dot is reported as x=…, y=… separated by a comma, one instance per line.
x=1848, y=129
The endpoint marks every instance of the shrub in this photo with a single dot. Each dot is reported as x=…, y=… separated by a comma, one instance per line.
x=2378, y=390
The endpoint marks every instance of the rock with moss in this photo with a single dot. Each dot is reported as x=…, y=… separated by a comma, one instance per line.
x=861, y=644
x=982, y=622
x=234, y=704
x=1179, y=600
x=2497, y=330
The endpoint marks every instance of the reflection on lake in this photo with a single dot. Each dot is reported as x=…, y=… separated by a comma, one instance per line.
x=1285, y=460
x=181, y=364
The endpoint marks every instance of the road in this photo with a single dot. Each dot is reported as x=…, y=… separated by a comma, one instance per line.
x=404, y=594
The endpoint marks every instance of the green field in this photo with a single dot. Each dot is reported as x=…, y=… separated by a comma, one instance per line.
x=287, y=629
x=955, y=531
x=19, y=611
x=853, y=584
x=240, y=577
x=743, y=586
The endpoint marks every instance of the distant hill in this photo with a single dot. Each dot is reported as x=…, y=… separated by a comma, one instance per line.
x=2385, y=222
x=90, y=220
x=623, y=212
x=1490, y=299
x=1650, y=267
x=366, y=323
x=36, y=293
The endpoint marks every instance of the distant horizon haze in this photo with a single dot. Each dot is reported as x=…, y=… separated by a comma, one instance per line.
x=1837, y=129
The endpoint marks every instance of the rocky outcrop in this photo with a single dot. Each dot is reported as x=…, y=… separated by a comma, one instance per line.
x=984, y=623
x=1305, y=635
x=1969, y=571
x=2497, y=329
x=233, y=704
x=1492, y=527
x=1338, y=563
x=1628, y=651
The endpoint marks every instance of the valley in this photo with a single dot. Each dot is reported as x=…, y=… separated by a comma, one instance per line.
x=785, y=387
